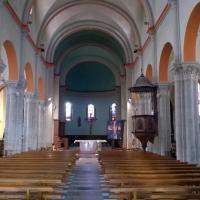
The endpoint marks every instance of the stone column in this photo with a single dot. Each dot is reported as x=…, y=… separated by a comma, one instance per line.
x=41, y=125
x=56, y=91
x=27, y=99
x=13, y=139
x=163, y=140
x=186, y=111
x=124, y=109
x=31, y=116
x=118, y=101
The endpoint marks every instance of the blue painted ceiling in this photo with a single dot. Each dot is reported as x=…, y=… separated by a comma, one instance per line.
x=90, y=77
x=89, y=50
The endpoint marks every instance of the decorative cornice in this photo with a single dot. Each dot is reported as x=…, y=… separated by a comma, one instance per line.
x=160, y=19
x=122, y=77
x=15, y=16
x=132, y=65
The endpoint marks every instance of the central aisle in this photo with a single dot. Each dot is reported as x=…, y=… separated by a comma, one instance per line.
x=86, y=180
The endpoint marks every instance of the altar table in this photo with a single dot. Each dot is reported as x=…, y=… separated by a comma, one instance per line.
x=90, y=146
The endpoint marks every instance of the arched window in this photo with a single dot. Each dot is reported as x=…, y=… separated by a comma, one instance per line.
x=68, y=111
x=31, y=11
x=113, y=111
x=30, y=16
x=90, y=111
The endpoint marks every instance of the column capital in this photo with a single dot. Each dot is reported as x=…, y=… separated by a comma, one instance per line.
x=191, y=70
x=42, y=105
x=163, y=85
x=13, y=87
x=41, y=102
x=10, y=84
x=163, y=90
x=21, y=84
x=173, y=3
x=122, y=77
x=186, y=70
x=28, y=95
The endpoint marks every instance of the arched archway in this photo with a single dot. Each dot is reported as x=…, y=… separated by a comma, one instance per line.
x=149, y=72
x=12, y=60
x=29, y=77
x=164, y=62
x=40, y=89
x=191, y=34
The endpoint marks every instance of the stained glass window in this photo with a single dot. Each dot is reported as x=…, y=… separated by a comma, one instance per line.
x=113, y=111
x=90, y=111
x=68, y=111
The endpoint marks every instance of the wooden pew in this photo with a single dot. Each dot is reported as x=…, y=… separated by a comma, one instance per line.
x=35, y=175
x=139, y=175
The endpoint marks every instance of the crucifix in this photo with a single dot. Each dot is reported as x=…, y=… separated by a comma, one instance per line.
x=90, y=121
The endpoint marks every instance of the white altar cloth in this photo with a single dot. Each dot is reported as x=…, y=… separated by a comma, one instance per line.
x=90, y=146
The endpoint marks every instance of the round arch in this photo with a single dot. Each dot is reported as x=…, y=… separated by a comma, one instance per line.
x=13, y=72
x=40, y=89
x=98, y=59
x=29, y=77
x=87, y=59
x=164, y=62
x=70, y=29
x=149, y=72
x=191, y=34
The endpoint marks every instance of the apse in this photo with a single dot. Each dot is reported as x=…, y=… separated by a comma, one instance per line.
x=89, y=64
x=88, y=84
x=90, y=77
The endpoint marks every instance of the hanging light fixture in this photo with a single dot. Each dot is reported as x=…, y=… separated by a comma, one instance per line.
x=143, y=96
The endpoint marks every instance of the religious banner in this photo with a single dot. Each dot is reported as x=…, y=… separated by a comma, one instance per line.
x=115, y=129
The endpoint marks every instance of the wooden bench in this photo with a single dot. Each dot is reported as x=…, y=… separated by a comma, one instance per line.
x=139, y=175
x=148, y=192
x=35, y=175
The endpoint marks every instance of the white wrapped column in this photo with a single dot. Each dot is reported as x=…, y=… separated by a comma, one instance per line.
x=31, y=116
x=186, y=112
x=41, y=125
x=123, y=101
x=13, y=138
x=163, y=140
x=27, y=97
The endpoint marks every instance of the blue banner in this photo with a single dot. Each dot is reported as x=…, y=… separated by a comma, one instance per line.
x=115, y=129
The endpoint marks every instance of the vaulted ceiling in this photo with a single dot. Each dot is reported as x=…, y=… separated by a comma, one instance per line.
x=79, y=31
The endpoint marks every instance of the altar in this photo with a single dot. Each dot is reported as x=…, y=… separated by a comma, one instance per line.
x=90, y=146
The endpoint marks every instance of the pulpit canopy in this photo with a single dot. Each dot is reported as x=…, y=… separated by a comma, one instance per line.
x=144, y=101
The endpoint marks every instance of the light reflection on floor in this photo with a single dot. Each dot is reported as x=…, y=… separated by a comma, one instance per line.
x=85, y=181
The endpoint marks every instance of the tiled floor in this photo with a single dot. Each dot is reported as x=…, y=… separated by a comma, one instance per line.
x=85, y=182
